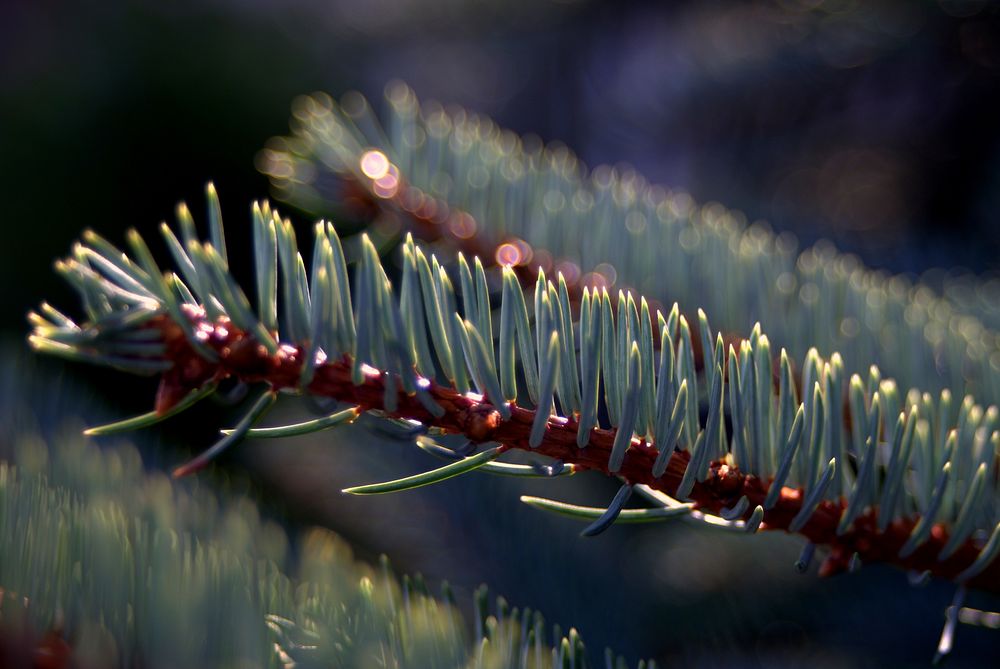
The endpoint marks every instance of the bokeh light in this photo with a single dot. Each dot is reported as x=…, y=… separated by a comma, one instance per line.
x=374, y=164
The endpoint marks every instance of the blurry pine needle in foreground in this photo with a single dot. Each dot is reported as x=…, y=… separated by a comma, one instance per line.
x=107, y=563
x=502, y=293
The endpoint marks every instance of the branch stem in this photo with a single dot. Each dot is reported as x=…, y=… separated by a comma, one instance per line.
x=242, y=357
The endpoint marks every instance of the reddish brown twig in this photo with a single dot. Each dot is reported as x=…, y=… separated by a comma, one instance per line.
x=243, y=358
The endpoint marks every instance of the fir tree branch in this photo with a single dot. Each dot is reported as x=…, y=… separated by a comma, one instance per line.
x=453, y=173
x=469, y=415
x=788, y=465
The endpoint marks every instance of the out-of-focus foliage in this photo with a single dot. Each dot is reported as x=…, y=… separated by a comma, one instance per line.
x=541, y=205
x=134, y=569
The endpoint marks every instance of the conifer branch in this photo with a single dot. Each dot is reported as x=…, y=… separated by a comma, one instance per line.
x=456, y=175
x=723, y=486
x=788, y=465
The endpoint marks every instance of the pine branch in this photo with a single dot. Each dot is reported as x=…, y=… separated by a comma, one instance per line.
x=924, y=501
x=456, y=175
x=723, y=486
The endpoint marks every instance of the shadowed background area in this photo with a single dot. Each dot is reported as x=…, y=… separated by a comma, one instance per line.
x=872, y=124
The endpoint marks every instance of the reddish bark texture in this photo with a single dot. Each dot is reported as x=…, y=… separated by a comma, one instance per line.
x=241, y=357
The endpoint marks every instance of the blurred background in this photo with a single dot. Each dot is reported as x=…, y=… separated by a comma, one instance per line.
x=873, y=124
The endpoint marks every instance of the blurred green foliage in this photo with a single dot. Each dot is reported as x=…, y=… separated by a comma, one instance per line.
x=134, y=569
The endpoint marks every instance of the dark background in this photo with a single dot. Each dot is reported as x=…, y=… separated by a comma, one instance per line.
x=870, y=123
